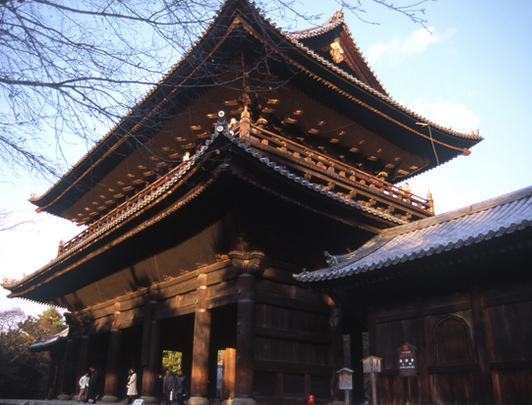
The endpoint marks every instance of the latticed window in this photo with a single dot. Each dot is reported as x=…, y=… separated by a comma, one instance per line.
x=452, y=340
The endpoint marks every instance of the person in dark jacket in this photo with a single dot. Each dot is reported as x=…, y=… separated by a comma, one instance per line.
x=168, y=386
x=180, y=387
x=93, y=379
x=159, y=388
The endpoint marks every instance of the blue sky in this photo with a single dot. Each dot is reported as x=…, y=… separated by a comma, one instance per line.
x=471, y=71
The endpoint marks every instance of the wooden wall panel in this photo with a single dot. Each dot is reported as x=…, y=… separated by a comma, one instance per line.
x=513, y=386
x=456, y=388
x=265, y=383
x=511, y=339
x=389, y=336
x=395, y=390
x=294, y=385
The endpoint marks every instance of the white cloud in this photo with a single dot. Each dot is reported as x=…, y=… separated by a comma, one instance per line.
x=417, y=42
x=448, y=114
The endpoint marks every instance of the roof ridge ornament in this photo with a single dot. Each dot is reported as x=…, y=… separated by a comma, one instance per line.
x=338, y=15
x=336, y=52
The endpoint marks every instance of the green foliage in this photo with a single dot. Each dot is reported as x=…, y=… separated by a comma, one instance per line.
x=172, y=361
x=24, y=374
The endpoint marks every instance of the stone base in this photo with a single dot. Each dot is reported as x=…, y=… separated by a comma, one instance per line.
x=149, y=399
x=64, y=397
x=109, y=398
x=198, y=401
x=243, y=401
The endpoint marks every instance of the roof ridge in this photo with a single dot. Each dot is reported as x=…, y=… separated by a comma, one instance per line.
x=332, y=22
x=474, y=208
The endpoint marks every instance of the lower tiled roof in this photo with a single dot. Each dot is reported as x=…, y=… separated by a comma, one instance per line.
x=453, y=230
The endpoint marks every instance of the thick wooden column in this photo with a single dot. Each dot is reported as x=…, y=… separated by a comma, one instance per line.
x=423, y=356
x=248, y=265
x=113, y=360
x=488, y=396
x=83, y=361
x=200, y=350
x=228, y=375
x=65, y=376
x=149, y=352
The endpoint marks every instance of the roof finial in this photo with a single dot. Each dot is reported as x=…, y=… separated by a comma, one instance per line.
x=339, y=15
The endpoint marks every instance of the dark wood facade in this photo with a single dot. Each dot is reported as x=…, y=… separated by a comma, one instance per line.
x=458, y=288
x=197, y=221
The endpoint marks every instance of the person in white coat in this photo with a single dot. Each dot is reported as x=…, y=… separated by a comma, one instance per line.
x=131, y=386
x=83, y=385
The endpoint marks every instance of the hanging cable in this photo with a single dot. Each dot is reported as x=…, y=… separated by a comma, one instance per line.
x=424, y=124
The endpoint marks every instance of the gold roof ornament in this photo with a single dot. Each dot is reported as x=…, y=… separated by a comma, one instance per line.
x=337, y=53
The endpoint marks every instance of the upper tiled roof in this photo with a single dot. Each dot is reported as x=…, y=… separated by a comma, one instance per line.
x=453, y=230
x=334, y=21
x=106, y=154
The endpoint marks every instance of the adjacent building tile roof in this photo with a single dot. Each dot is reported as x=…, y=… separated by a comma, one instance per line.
x=453, y=230
x=47, y=342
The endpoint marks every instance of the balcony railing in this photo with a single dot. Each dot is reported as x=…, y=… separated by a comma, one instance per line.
x=336, y=175
x=319, y=168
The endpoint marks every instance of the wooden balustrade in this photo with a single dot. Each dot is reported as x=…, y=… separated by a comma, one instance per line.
x=352, y=182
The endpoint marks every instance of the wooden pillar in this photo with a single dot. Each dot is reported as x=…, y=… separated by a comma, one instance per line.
x=340, y=351
x=482, y=347
x=372, y=345
x=248, y=265
x=83, y=361
x=200, y=350
x=113, y=360
x=372, y=330
x=150, y=352
x=228, y=375
x=423, y=355
x=65, y=376
x=53, y=378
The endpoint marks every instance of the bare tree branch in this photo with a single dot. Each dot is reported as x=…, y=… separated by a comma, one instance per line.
x=70, y=69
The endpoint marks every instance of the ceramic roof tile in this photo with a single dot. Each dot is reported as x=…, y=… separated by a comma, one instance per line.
x=470, y=225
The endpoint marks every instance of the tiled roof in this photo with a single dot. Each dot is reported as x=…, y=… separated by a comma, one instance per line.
x=72, y=177
x=163, y=188
x=333, y=22
x=453, y=230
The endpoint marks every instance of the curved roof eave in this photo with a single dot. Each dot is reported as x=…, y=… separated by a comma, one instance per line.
x=162, y=190
x=109, y=142
x=106, y=142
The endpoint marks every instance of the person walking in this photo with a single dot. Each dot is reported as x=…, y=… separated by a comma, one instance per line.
x=180, y=387
x=83, y=385
x=168, y=386
x=131, y=386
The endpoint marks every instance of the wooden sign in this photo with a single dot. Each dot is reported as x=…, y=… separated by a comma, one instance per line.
x=345, y=379
x=372, y=364
x=407, y=361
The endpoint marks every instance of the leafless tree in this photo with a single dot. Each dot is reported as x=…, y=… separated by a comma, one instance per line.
x=69, y=69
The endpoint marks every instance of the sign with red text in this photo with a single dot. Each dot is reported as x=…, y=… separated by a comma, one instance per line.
x=407, y=361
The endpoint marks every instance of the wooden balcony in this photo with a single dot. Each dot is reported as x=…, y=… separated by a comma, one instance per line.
x=316, y=167
x=335, y=175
